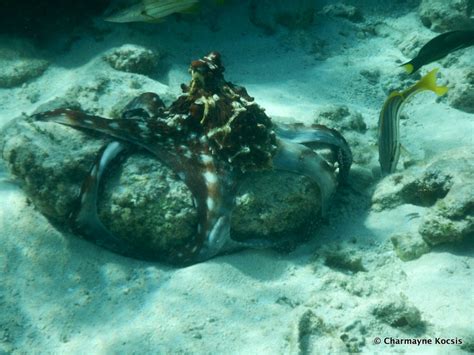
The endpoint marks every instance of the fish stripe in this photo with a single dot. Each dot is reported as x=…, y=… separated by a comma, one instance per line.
x=389, y=133
x=389, y=120
x=159, y=10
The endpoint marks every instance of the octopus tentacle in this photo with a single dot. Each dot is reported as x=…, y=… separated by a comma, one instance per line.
x=85, y=218
x=320, y=134
x=210, y=136
x=210, y=186
x=145, y=105
x=299, y=159
x=138, y=131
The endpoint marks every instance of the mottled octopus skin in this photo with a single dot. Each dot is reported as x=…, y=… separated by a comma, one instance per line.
x=210, y=137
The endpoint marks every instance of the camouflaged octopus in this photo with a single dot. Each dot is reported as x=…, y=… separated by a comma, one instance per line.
x=211, y=136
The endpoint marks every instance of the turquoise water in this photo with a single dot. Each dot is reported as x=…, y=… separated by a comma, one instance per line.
x=158, y=197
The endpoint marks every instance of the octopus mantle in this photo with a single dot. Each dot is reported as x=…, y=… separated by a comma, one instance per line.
x=211, y=136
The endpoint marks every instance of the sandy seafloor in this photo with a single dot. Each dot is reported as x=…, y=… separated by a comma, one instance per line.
x=60, y=294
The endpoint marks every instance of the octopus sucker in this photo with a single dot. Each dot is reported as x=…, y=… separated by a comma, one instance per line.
x=212, y=136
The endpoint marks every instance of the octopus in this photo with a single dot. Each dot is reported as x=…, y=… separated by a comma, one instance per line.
x=211, y=137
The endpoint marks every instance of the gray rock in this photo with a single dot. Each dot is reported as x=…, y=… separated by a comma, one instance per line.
x=50, y=160
x=447, y=15
x=19, y=62
x=132, y=58
x=145, y=204
x=347, y=260
x=445, y=187
x=425, y=190
x=437, y=229
x=461, y=96
x=398, y=312
x=409, y=246
x=340, y=117
x=416, y=187
x=263, y=209
x=143, y=201
x=451, y=219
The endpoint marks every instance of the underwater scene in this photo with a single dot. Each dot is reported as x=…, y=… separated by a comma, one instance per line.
x=237, y=177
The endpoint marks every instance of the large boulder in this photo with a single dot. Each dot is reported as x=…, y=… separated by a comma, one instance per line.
x=447, y=15
x=445, y=189
x=20, y=62
x=142, y=200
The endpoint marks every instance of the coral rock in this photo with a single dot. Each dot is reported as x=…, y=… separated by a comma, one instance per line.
x=447, y=15
x=444, y=187
x=461, y=96
x=133, y=59
x=19, y=62
x=409, y=246
x=142, y=200
x=280, y=211
x=398, y=312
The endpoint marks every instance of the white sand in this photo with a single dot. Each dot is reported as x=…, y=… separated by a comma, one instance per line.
x=60, y=294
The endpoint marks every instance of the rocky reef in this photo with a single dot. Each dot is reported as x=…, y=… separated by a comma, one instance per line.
x=20, y=62
x=445, y=189
x=154, y=205
x=461, y=96
x=132, y=58
x=447, y=15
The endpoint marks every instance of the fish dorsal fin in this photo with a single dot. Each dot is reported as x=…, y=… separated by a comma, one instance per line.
x=428, y=82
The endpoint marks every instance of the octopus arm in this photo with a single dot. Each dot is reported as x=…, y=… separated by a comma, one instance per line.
x=319, y=134
x=299, y=159
x=137, y=131
x=85, y=217
x=218, y=239
x=145, y=105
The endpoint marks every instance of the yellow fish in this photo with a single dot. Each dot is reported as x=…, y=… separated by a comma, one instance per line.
x=151, y=10
x=389, y=120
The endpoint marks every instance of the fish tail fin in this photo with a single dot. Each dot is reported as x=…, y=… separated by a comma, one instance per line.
x=409, y=67
x=428, y=82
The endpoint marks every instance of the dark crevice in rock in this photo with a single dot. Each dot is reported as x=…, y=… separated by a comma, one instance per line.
x=425, y=191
